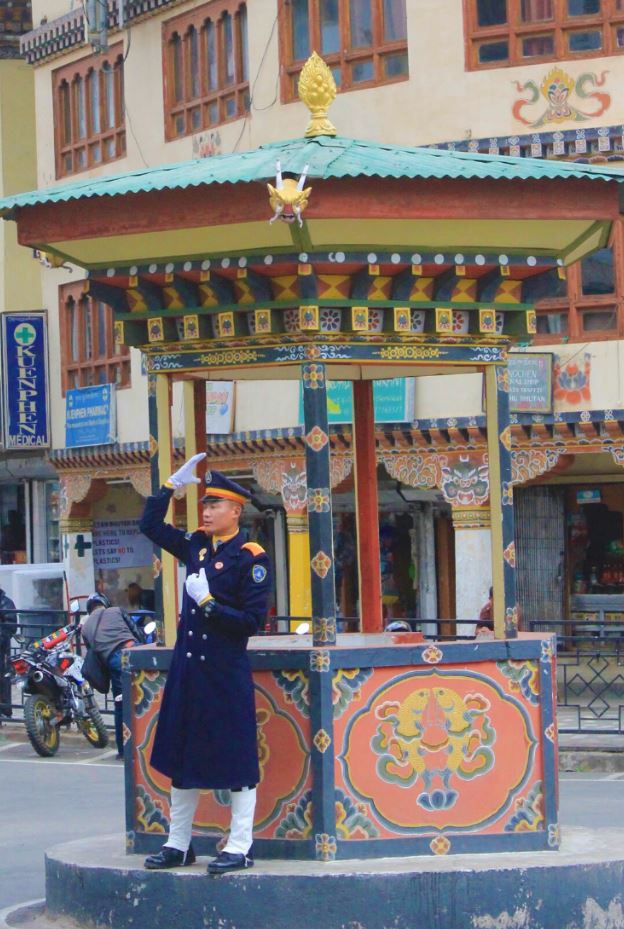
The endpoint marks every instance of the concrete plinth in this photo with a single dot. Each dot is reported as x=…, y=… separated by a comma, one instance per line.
x=95, y=882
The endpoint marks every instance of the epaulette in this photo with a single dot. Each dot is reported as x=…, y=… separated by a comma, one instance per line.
x=254, y=548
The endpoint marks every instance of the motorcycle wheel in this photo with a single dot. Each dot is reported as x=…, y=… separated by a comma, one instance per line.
x=39, y=713
x=93, y=728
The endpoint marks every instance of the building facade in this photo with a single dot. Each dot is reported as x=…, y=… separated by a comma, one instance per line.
x=161, y=81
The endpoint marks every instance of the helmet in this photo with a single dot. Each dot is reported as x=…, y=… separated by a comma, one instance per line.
x=96, y=600
x=399, y=625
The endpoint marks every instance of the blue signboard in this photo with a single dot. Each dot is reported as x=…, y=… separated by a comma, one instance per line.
x=90, y=416
x=25, y=364
x=393, y=399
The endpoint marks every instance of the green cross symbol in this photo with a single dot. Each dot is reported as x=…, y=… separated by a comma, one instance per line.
x=25, y=335
x=81, y=546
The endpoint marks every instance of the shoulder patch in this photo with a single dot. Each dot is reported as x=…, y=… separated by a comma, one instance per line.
x=258, y=572
x=254, y=548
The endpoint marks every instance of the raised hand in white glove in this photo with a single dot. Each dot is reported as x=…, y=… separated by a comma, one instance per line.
x=197, y=588
x=185, y=475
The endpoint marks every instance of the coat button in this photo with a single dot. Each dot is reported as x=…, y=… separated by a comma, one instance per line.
x=193, y=612
x=204, y=636
x=189, y=654
x=202, y=657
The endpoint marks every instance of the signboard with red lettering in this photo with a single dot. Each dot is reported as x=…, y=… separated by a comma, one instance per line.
x=25, y=380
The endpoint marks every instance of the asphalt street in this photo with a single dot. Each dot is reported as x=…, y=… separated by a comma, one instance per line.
x=79, y=793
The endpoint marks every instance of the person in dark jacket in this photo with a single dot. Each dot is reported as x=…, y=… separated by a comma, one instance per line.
x=108, y=632
x=206, y=731
x=8, y=628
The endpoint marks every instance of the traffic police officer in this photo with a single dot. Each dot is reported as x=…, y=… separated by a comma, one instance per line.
x=206, y=732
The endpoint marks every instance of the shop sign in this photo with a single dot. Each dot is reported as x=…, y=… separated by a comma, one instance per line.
x=530, y=382
x=219, y=407
x=119, y=544
x=25, y=395
x=588, y=496
x=90, y=416
x=393, y=399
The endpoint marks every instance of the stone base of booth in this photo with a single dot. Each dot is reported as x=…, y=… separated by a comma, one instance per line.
x=383, y=745
x=95, y=883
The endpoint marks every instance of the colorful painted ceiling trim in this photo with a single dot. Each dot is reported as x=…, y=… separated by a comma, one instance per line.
x=66, y=32
x=326, y=158
x=15, y=20
x=584, y=146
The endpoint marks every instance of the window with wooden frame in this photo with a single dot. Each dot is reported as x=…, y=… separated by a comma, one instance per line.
x=89, y=115
x=590, y=305
x=89, y=354
x=502, y=33
x=364, y=42
x=206, y=76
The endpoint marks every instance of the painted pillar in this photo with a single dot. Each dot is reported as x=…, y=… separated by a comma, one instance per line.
x=194, y=395
x=77, y=553
x=473, y=564
x=161, y=463
x=501, y=501
x=299, y=564
x=319, y=504
x=323, y=607
x=366, y=506
x=427, y=575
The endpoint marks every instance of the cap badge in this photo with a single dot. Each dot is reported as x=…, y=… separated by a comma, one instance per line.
x=208, y=477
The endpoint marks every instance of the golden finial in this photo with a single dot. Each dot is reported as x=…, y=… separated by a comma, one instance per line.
x=317, y=89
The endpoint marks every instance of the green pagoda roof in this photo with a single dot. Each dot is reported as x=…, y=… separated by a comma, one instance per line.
x=326, y=157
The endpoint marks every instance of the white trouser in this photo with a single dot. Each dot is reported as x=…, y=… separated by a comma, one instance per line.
x=184, y=805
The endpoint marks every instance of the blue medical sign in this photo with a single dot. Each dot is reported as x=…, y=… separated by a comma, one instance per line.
x=90, y=416
x=25, y=395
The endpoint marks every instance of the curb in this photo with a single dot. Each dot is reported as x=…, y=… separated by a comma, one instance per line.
x=22, y=911
x=602, y=761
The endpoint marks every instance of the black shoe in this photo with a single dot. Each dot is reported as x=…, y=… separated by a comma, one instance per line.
x=229, y=861
x=119, y=756
x=170, y=858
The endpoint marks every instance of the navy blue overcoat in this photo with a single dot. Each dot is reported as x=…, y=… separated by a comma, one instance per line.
x=206, y=730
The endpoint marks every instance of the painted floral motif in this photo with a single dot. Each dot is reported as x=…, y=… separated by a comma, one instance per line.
x=505, y=438
x=308, y=317
x=571, y=381
x=547, y=650
x=502, y=379
x=528, y=814
x=359, y=318
x=319, y=660
x=295, y=686
x=318, y=500
x=146, y=685
x=320, y=564
x=297, y=824
x=550, y=732
x=554, y=835
x=412, y=469
x=317, y=439
x=291, y=320
x=507, y=493
x=465, y=481
x=347, y=687
x=511, y=619
x=375, y=320
x=149, y=812
x=444, y=320
x=440, y=845
x=325, y=846
x=509, y=554
x=417, y=320
x=263, y=716
x=353, y=819
x=430, y=736
x=461, y=322
x=322, y=741
x=527, y=463
x=313, y=376
x=557, y=88
x=523, y=677
x=324, y=629
x=432, y=654
x=330, y=319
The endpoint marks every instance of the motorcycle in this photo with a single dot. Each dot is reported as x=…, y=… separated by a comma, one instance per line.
x=56, y=694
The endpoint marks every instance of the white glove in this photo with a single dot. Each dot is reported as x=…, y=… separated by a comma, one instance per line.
x=185, y=475
x=197, y=587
